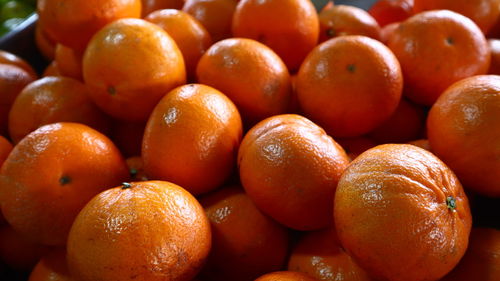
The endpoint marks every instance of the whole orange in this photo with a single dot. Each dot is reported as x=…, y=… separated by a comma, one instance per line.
x=390, y=11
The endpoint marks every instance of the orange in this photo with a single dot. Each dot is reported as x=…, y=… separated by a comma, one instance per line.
x=285, y=276
x=52, y=70
x=9, y=58
x=357, y=145
x=188, y=33
x=12, y=80
x=422, y=143
x=290, y=167
x=127, y=136
x=51, y=267
x=45, y=44
x=289, y=27
x=192, y=138
x=75, y=22
x=339, y=20
x=51, y=174
x=387, y=31
x=349, y=85
x=482, y=259
x=250, y=74
x=69, y=62
x=215, y=15
x=483, y=12
x=127, y=77
x=462, y=128
x=402, y=214
x=320, y=255
x=18, y=252
x=5, y=149
x=390, y=11
x=140, y=231
x=436, y=49
x=494, y=45
x=245, y=242
x=50, y=100
x=136, y=169
x=149, y=6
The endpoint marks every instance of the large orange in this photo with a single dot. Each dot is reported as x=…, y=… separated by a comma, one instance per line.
x=17, y=251
x=143, y=231
x=127, y=77
x=149, y=6
x=245, y=242
x=51, y=267
x=349, y=85
x=73, y=23
x=285, y=276
x=51, y=174
x=390, y=11
x=436, y=49
x=463, y=131
x=402, y=214
x=289, y=27
x=290, y=168
x=192, y=138
x=250, y=74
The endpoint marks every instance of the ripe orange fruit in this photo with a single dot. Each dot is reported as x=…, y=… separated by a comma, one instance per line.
x=75, y=22
x=127, y=77
x=5, y=149
x=436, y=49
x=290, y=27
x=483, y=12
x=127, y=136
x=462, y=128
x=69, y=62
x=136, y=169
x=18, y=252
x=397, y=197
x=250, y=74
x=482, y=259
x=9, y=58
x=390, y=11
x=52, y=70
x=143, y=231
x=45, y=44
x=196, y=130
x=320, y=255
x=342, y=20
x=285, y=276
x=149, y=6
x=51, y=267
x=387, y=31
x=494, y=45
x=51, y=174
x=349, y=85
x=188, y=33
x=245, y=242
x=50, y=100
x=215, y=15
x=422, y=143
x=290, y=168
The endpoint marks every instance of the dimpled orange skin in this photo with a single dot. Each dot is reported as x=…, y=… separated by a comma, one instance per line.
x=150, y=231
x=245, y=242
x=126, y=77
x=349, y=85
x=51, y=267
x=436, y=49
x=402, y=214
x=462, y=128
x=342, y=20
x=50, y=100
x=188, y=33
x=69, y=62
x=73, y=23
x=320, y=255
x=290, y=168
x=51, y=174
x=285, y=276
x=250, y=74
x=8, y=58
x=290, y=27
x=192, y=138
x=149, y=6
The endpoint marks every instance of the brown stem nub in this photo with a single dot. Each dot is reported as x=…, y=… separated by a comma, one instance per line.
x=451, y=203
x=126, y=185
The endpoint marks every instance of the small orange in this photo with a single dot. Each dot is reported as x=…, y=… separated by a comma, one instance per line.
x=52, y=70
x=45, y=44
x=128, y=136
x=9, y=58
x=149, y=6
x=51, y=267
x=126, y=77
x=390, y=11
x=69, y=62
x=290, y=168
x=196, y=130
x=143, y=231
x=289, y=27
x=285, y=276
x=17, y=251
x=494, y=45
x=136, y=169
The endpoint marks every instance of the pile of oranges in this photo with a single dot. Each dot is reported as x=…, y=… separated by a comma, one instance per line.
x=253, y=140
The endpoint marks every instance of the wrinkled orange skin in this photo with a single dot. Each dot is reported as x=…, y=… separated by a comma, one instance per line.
x=215, y=15
x=394, y=197
x=290, y=167
x=5, y=149
x=462, y=128
x=51, y=174
x=245, y=242
x=192, y=138
x=128, y=137
x=51, y=267
x=149, y=6
x=436, y=49
x=17, y=251
x=188, y=33
x=285, y=276
x=52, y=70
x=73, y=23
x=69, y=62
x=250, y=74
x=127, y=77
x=390, y=11
x=349, y=85
x=494, y=45
x=45, y=44
x=50, y=100
x=136, y=169
x=150, y=231
x=342, y=20
x=9, y=58
x=483, y=12
x=290, y=27
x=482, y=259
x=422, y=143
